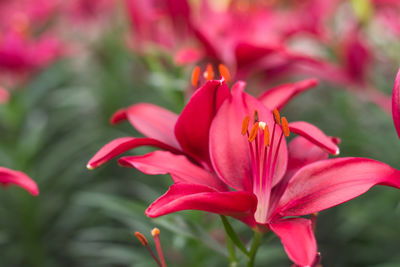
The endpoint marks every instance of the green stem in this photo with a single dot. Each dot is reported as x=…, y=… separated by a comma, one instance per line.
x=233, y=236
x=254, y=247
x=232, y=252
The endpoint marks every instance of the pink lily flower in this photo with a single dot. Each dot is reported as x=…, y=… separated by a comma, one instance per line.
x=21, y=51
x=190, y=162
x=8, y=177
x=254, y=178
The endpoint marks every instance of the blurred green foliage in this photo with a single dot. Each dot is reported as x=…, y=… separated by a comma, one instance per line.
x=57, y=121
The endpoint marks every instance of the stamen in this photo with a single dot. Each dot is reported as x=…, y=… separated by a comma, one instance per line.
x=255, y=116
x=253, y=133
x=277, y=117
x=142, y=238
x=195, y=76
x=285, y=127
x=145, y=243
x=223, y=70
x=245, y=125
x=155, y=233
x=266, y=136
x=209, y=73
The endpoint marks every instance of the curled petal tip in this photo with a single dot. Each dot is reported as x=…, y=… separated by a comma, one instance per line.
x=337, y=152
x=118, y=116
x=90, y=167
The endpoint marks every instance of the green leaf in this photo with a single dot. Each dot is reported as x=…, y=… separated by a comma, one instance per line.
x=233, y=236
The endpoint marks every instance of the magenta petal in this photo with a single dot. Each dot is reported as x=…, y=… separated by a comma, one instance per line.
x=301, y=153
x=328, y=183
x=314, y=135
x=179, y=197
x=298, y=239
x=229, y=150
x=180, y=168
x=279, y=96
x=118, y=116
x=121, y=145
x=193, y=125
x=396, y=103
x=154, y=122
x=18, y=178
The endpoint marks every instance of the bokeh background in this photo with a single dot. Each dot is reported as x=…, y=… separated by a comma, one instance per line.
x=62, y=97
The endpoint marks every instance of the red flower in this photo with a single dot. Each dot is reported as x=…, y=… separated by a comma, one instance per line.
x=203, y=173
x=18, y=178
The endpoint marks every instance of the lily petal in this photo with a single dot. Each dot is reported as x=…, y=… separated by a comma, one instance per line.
x=118, y=116
x=298, y=239
x=396, y=103
x=179, y=197
x=180, y=168
x=301, y=153
x=328, y=183
x=8, y=176
x=314, y=135
x=154, y=122
x=121, y=145
x=193, y=125
x=229, y=150
x=279, y=96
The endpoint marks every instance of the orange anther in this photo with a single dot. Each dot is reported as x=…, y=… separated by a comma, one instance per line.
x=209, y=73
x=253, y=132
x=266, y=136
x=195, y=75
x=285, y=127
x=155, y=232
x=142, y=239
x=255, y=116
x=223, y=70
x=277, y=117
x=245, y=125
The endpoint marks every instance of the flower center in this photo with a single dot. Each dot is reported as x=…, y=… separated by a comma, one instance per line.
x=263, y=156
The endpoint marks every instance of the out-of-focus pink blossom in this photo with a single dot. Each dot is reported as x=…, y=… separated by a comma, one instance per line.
x=22, y=49
x=11, y=177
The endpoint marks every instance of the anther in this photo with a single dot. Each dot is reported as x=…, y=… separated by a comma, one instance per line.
x=142, y=239
x=223, y=70
x=245, y=125
x=253, y=132
x=255, y=116
x=155, y=232
x=195, y=76
x=209, y=73
x=277, y=117
x=266, y=136
x=285, y=127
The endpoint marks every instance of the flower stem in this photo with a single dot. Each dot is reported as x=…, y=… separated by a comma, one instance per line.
x=232, y=253
x=254, y=247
